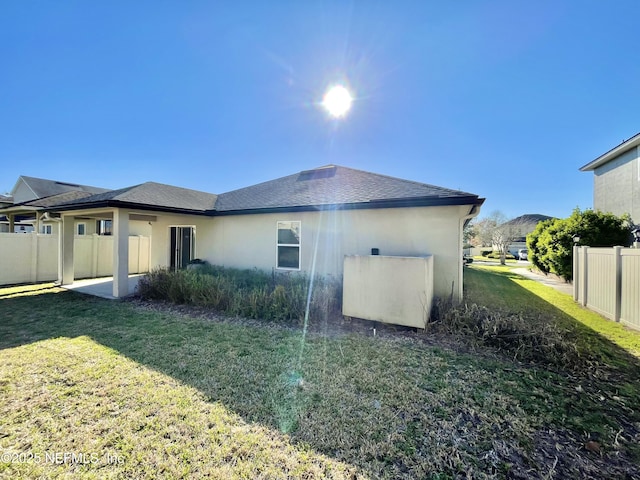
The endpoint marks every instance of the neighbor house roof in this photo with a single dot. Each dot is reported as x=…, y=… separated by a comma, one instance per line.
x=528, y=218
x=334, y=185
x=42, y=203
x=41, y=187
x=6, y=199
x=613, y=153
x=149, y=195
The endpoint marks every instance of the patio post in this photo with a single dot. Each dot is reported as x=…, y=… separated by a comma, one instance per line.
x=120, y=253
x=65, y=267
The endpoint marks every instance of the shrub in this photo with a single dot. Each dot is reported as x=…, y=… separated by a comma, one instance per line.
x=247, y=293
x=522, y=337
x=551, y=243
x=496, y=255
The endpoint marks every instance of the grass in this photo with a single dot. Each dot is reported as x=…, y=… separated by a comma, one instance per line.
x=149, y=393
x=507, y=290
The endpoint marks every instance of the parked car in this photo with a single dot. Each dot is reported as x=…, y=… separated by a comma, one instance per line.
x=466, y=259
x=523, y=254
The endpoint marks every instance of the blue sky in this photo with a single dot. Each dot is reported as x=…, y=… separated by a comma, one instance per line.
x=504, y=99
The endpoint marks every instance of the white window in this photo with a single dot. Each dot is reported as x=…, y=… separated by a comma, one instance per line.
x=81, y=229
x=46, y=229
x=288, y=246
x=103, y=227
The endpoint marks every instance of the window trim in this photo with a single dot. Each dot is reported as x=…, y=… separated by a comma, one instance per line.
x=84, y=225
x=47, y=229
x=297, y=245
x=99, y=227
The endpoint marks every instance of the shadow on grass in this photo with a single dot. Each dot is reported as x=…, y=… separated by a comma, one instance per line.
x=503, y=290
x=254, y=372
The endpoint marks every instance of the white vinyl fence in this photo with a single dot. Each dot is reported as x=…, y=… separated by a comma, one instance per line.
x=607, y=280
x=31, y=257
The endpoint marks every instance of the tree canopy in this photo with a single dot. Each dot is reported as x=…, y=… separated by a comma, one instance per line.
x=551, y=243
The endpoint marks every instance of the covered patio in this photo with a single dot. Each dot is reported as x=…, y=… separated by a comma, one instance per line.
x=103, y=287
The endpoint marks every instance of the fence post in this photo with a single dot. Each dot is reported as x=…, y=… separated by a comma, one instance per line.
x=576, y=273
x=33, y=277
x=94, y=255
x=583, y=274
x=617, y=267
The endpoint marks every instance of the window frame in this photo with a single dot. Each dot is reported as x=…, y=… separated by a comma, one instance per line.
x=101, y=227
x=47, y=229
x=295, y=245
x=84, y=229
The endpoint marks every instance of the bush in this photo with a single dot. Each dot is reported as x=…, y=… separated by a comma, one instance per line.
x=551, y=243
x=520, y=336
x=496, y=255
x=247, y=293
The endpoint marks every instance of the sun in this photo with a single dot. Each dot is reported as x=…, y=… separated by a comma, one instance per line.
x=337, y=101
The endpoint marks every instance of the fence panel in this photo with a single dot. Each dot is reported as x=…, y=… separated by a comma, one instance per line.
x=31, y=257
x=601, y=287
x=630, y=291
x=607, y=280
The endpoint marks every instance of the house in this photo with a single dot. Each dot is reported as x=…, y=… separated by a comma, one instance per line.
x=5, y=201
x=31, y=195
x=616, y=179
x=305, y=222
x=522, y=226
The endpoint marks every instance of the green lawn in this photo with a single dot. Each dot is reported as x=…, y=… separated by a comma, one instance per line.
x=91, y=388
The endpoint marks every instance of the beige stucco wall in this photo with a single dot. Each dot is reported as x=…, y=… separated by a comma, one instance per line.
x=160, y=236
x=396, y=290
x=247, y=241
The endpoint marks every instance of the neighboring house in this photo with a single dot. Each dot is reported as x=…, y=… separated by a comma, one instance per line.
x=616, y=186
x=306, y=222
x=5, y=201
x=520, y=227
x=30, y=188
x=31, y=195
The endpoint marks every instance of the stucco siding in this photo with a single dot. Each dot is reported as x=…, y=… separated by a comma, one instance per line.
x=160, y=236
x=617, y=185
x=247, y=241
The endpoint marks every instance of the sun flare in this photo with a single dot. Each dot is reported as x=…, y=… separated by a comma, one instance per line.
x=337, y=101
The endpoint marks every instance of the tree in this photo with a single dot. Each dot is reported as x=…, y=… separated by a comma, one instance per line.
x=551, y=243
x=495, y=231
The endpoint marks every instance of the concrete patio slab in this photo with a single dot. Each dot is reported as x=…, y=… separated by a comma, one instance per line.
x=101, y=287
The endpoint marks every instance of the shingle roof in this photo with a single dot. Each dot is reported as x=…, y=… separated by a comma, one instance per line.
x=6, y=199
x=56, y=199
x=46, y=188
x=151, y=194
x=333, y=185
x=528, y=218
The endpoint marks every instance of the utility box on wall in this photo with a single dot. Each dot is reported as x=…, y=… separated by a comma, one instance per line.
x=396, y=290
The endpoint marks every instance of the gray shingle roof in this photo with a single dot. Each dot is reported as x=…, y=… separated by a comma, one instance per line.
x=151, y=194
x=529, y=218
x=6, y=199
x=46, y=188
x=331, y=185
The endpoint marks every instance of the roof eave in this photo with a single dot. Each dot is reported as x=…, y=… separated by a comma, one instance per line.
x=119, y=204
x=373, y=204
x=613, y=153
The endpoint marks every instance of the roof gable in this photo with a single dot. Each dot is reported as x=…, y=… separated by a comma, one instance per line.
x=333, y=185
x=615, y=152
x=42, y=187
